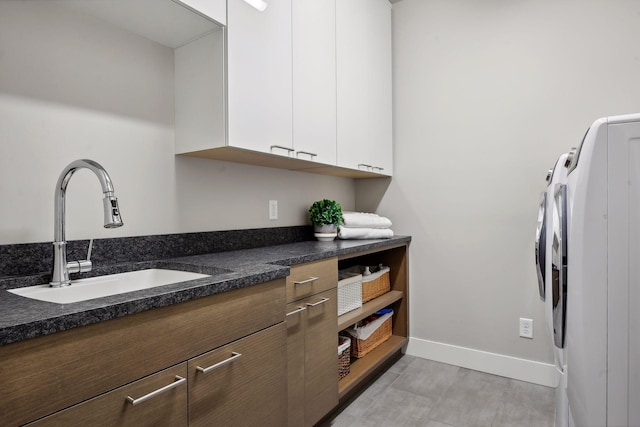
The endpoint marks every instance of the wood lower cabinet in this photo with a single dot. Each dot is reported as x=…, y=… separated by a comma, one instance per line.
x=312, y=351
x=157, y=400
x=45, y=375
x=239, y=384
x=312, y=346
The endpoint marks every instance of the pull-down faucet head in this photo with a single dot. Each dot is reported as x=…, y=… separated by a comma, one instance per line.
x=112, y=218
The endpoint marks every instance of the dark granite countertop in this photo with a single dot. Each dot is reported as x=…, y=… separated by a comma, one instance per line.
x=23, y=318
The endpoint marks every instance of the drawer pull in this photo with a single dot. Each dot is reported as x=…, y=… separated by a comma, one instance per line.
x=177, y=381
x=309, y=280
x=298, y=310
x=233, y=357
x=322, y=301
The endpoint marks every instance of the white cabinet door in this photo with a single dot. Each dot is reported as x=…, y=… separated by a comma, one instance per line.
x=314, y=80
x=363, y=45
x=259, y=76
x=214, y=9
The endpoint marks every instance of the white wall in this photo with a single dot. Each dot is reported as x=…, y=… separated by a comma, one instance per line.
x=487, y=94
x=71, y=87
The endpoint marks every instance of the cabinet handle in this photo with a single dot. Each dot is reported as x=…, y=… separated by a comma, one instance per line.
x=309, y=280
x=298, y=310
x=233, y=357
x=282, y=147
x=322, y=301
x=378, y=168
x=308, y=153
x=177, y=381
x=365, y=165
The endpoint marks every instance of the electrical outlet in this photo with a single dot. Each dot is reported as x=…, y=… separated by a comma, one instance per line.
x=273, y=209
x=526, y=328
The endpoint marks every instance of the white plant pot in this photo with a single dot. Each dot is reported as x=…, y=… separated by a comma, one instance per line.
x=325, y=233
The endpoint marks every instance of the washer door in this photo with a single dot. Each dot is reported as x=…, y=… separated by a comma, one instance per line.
x=541, y=244
x=559, y=265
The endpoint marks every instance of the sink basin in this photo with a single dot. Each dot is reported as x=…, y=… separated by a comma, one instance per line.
x=102, y=286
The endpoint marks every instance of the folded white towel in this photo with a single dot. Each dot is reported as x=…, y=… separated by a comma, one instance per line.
x=364, y=233
x=365, y=220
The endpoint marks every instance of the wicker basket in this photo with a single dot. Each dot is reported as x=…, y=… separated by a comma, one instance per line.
x=375, y=284
x=360, y=348
x=349, y=292
x=344, y=356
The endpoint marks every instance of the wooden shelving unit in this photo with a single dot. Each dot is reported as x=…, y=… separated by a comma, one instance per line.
x=362, y=369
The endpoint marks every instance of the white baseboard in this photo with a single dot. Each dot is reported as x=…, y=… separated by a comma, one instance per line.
x=492, y=363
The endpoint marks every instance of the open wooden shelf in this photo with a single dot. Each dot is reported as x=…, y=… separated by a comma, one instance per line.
x=360, y=368
x=368, y=308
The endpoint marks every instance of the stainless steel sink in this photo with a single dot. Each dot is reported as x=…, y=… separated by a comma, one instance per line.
x=102, y=286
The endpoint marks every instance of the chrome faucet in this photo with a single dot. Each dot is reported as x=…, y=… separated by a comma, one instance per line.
x=112, y=219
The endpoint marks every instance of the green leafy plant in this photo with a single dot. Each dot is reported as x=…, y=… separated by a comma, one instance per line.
x=325, y=212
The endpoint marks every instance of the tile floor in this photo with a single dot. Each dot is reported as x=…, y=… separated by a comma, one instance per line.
x=420, y=392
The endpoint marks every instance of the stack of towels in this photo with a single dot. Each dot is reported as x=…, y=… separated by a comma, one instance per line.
x=361, y=225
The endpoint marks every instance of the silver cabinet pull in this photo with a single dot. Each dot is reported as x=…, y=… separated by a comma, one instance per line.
x=298, y=310
x=378, y=168
x=282, y=147
x=322, y=301
x=308, y=153
x=309, y=280
x=177, y=381
x=233, y=357
x=365, y=165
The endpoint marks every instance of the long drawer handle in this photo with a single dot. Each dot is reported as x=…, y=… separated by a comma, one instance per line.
x=309, y=280
x=322, y=301
x=233, y=357
x=177, y=381
x=298, y=310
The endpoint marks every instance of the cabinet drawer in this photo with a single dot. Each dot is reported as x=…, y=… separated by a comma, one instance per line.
x=243, y=384
x=310, y=278
x=164, y=408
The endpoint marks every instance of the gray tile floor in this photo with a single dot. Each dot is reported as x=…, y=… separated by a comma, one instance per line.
x=420, y=392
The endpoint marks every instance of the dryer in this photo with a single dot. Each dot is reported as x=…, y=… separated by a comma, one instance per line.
x=602, y=341
x=550, y=250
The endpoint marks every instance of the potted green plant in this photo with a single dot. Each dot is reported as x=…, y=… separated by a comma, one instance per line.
x=325, y=216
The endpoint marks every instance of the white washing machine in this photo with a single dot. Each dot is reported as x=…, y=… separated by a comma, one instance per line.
x=550, y=236
x=602, y=280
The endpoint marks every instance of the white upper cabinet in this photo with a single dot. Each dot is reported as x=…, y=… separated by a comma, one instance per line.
x=314, y=80
x=363, y=44
x=301, y=84
x=259, y=77
x=214, y=9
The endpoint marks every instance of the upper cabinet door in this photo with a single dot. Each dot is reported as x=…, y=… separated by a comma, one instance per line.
x=363, y=44
x=259, y=76
x=214, y=9
x=314, y=80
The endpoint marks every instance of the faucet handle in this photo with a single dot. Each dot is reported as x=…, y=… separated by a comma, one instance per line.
x=89, y=250
x=84, y=265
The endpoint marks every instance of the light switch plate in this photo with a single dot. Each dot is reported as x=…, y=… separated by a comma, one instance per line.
x=273, y=210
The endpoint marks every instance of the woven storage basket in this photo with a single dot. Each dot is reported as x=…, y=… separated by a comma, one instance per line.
x=349, y=291
x=344, y=357
x=360, y=348
x=375, y=284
